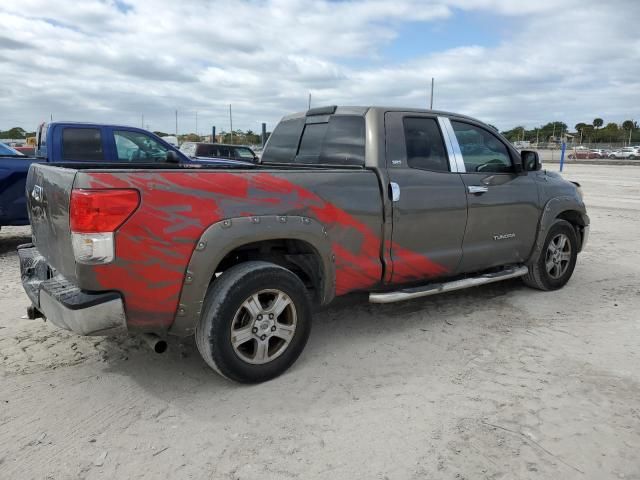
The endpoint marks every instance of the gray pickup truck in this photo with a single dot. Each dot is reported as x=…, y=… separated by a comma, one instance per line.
x=399, y=203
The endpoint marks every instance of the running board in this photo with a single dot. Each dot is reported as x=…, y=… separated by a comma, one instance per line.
x=434, y=289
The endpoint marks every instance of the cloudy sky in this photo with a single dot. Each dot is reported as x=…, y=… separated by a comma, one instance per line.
x=507, y=62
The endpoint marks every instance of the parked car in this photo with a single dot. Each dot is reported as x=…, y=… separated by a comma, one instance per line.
x=80, y=142
x=8, y=151
x=240, y=255
x=630, y=153
x=13, y=171
x=199, y=150
x=580, y=154
x=601, y=151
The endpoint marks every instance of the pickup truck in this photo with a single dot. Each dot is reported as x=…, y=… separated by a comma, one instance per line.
x=399, y=203
x=60, y=142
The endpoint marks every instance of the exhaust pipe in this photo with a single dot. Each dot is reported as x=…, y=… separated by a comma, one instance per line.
x=156, y=343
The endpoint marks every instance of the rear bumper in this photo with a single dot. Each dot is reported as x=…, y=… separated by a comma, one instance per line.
x=64, y=304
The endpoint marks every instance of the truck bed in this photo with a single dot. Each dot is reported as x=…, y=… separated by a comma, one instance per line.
x=178, y=203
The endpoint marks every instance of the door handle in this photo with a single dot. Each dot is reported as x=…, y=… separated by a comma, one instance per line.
x=395, y=191
x=478, y=190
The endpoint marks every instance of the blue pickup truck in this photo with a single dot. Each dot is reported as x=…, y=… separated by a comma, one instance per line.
x=59, y=142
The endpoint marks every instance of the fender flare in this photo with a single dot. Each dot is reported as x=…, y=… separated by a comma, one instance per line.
x=550, y=212
x=222, y=237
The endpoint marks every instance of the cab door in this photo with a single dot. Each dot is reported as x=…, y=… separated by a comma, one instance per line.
x=429, y=204
x=503, y=206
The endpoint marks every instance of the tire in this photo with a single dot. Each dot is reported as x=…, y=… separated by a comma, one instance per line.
x=571, y=157
x=632, y=157
x=543, y=278
x=243, y=300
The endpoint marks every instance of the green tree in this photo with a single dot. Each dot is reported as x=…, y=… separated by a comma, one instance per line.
x=597, y=123
x=580, y=126
x=14, y=133
x=628, y=125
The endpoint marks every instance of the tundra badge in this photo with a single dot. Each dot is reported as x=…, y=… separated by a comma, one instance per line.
x=504, y=236
x=36, y=193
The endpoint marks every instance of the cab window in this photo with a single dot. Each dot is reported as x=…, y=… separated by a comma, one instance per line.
x=138, y=147
x=244, y=154
x=423, y=141
x=82, y=145
x=481, y=150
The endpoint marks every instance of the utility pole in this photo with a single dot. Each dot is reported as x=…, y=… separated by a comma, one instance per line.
x=309, y=103
x=231, y=122
x=176, y=123
x=196, y=123
x=142, y=122
x=431, y=103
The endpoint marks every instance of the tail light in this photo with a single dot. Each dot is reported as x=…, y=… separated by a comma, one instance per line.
x=94, y=215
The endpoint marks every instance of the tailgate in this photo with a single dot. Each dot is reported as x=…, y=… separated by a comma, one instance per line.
x=48, y=195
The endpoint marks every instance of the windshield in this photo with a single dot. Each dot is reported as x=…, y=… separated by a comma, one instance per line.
x=7, y=151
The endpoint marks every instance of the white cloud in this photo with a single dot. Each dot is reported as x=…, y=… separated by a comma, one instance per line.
x=113, y=61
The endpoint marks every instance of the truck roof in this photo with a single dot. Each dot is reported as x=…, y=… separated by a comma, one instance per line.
x=360, y=110
x=92, y=124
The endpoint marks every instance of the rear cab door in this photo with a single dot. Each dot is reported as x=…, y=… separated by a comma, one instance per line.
x=429, y=202
x=503, y=206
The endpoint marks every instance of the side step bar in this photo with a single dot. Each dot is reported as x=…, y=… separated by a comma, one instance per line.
x=435, y=288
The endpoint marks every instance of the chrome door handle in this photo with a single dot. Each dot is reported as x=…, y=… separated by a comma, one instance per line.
x=395, y=191
x=476, y=189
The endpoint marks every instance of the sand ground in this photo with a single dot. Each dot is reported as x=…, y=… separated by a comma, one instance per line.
x=498, y=382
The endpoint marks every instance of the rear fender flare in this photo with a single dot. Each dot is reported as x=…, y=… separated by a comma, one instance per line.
x=552, y=209
x=222, y=237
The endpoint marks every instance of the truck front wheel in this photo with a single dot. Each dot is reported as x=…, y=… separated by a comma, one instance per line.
x=554, y=266
x=255, y=323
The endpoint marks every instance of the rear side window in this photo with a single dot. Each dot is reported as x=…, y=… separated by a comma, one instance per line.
x=82, y=144
x=425, y=149
x=283, y=142
x=205, y=150
x=337, y=142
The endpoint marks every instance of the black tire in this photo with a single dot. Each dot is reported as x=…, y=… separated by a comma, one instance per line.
x=632, y=157
x=538, y=276
x=225, y=298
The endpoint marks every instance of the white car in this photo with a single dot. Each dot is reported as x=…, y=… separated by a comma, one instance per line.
x=626, y=152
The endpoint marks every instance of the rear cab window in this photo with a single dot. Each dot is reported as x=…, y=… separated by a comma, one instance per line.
x=318, y=140
x=82, y=145
x=424, y=144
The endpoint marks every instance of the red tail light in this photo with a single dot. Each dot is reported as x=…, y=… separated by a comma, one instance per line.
x=94, y=211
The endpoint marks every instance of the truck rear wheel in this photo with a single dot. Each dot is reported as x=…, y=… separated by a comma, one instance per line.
x=255, y=323
x=554, y=267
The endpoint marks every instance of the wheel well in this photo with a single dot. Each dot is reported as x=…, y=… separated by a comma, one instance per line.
x=296, y=255
x=575, y=219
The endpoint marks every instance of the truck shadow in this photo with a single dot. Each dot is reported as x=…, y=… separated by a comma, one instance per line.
x=9, y=243
x=349, y=324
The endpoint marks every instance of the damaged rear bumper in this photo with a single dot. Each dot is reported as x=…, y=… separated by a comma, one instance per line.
x=64, y=304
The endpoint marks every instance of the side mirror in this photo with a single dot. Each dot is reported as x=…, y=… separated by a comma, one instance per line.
x=172, y=157
x=530, y=161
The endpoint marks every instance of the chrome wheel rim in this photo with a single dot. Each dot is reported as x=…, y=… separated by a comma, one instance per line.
x=558, y=256
x=263, y=326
